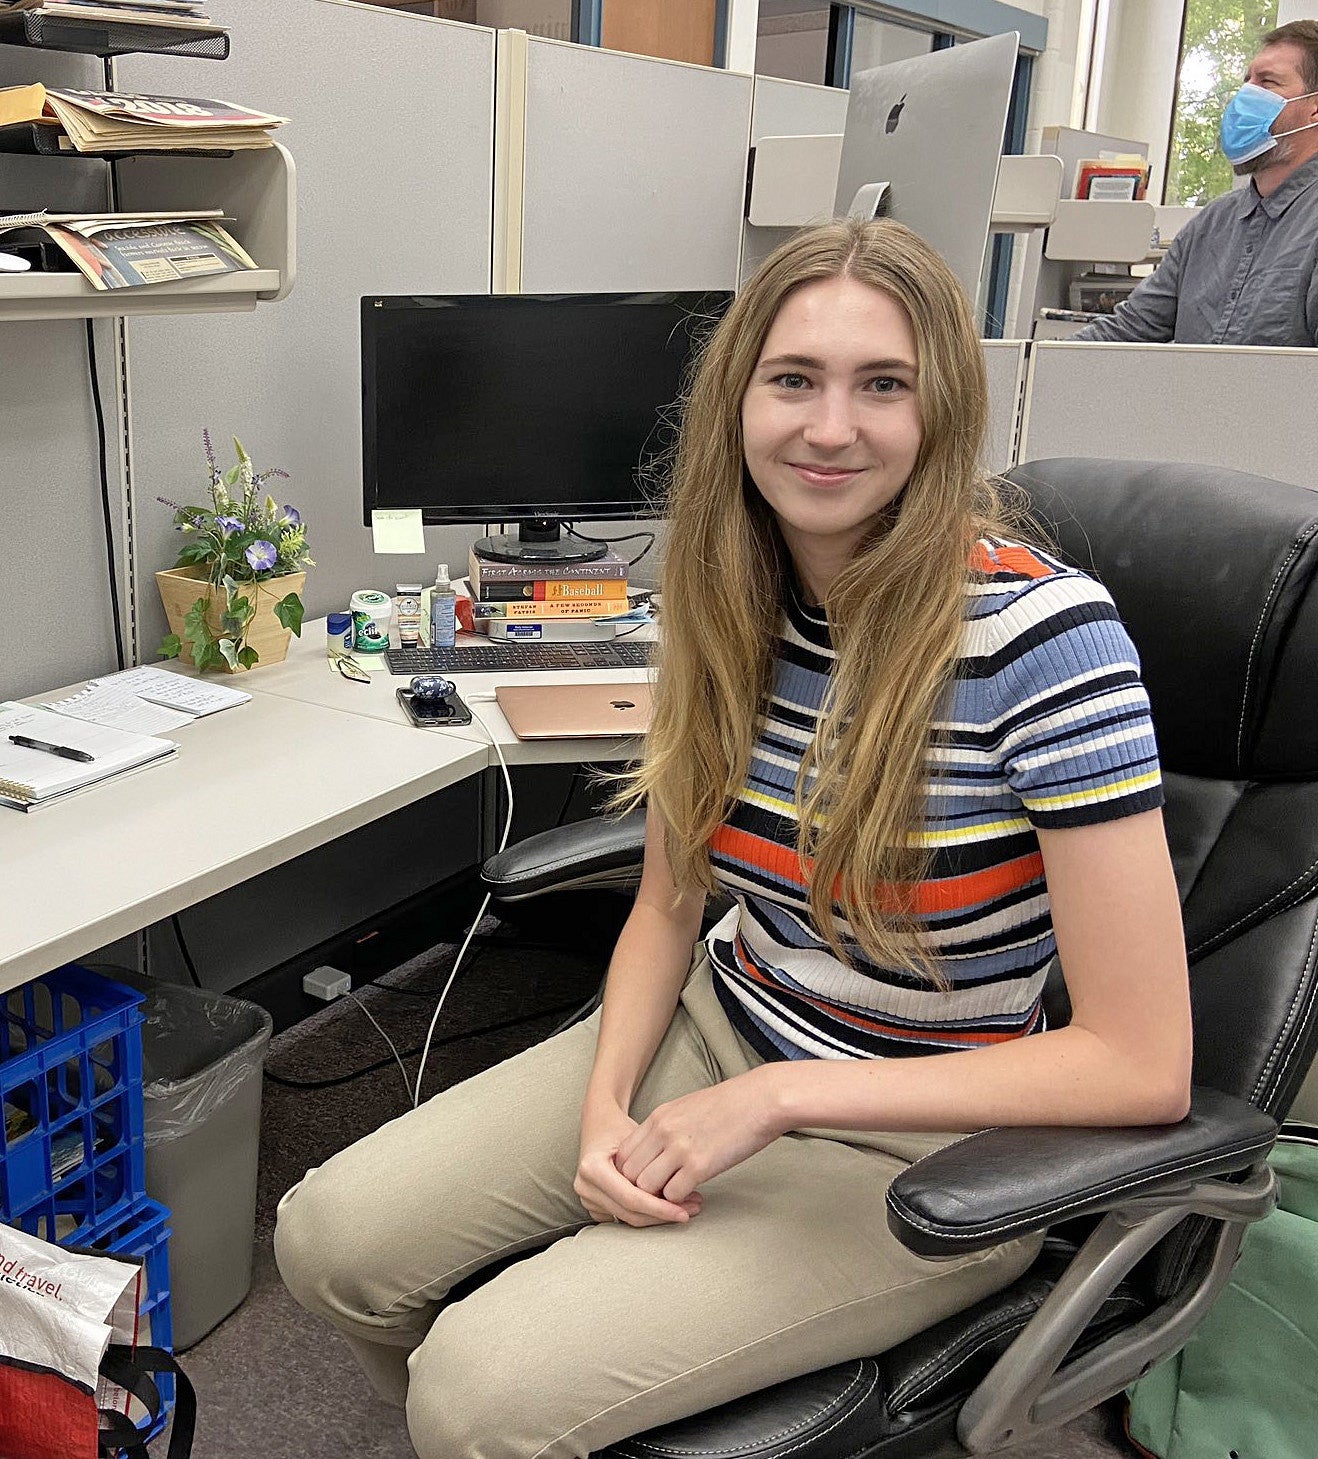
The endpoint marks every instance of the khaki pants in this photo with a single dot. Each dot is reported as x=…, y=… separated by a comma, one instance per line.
x=611, y=1329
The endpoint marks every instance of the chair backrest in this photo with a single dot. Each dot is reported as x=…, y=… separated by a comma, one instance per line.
x=1214, y=573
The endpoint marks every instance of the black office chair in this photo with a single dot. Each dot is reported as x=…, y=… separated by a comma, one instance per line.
x=1213, y=571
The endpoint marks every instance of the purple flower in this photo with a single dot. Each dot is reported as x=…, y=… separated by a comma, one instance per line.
x=261, y=555
x=228, y=525
x=290, y=516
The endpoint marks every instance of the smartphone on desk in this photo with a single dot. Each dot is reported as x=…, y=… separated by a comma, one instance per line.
x=432, y=713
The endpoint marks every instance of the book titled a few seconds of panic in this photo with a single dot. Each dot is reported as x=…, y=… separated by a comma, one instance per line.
x=483, y=570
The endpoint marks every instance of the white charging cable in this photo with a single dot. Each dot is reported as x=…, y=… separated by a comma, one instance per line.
x=462, y=951
x=393, y=1049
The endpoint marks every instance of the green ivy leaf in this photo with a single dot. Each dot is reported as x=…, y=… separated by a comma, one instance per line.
x=229, y=649
x=208, y=657
x=248, y=656
x=170, y=646
x=289, y=611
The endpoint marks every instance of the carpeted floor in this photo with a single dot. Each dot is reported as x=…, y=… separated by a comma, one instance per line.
x=272, y=1382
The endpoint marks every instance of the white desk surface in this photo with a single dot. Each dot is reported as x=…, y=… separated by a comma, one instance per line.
x=249, y=788
x=307, y=675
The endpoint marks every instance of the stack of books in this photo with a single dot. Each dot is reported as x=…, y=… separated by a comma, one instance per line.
x=544, y=602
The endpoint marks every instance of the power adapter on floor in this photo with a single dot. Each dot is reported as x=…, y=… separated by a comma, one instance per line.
x=327, y=983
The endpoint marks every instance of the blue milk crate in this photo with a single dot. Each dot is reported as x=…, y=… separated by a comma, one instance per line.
x=71, y=1149
x=143, y=1234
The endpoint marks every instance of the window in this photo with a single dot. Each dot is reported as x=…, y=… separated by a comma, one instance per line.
x=1218, y=41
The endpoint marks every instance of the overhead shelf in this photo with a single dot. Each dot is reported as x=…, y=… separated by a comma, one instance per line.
x=257, y=189
x=113, y=37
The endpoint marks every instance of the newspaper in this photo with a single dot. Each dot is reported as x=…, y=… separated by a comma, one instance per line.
x=113, y=121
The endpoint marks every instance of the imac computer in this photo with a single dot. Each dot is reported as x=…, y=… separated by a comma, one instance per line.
x=528, y=408
x=931, y=127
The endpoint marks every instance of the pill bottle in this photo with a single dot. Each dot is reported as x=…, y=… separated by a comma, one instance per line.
x=370, y=621
x=338, y=635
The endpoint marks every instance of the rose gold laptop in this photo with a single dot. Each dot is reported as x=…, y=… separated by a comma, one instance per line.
x=574, y=711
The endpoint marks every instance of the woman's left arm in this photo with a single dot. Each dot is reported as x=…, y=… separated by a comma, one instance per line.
x=1124, y=1059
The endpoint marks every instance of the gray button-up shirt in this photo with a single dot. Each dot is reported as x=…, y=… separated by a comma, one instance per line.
x=1244, y=271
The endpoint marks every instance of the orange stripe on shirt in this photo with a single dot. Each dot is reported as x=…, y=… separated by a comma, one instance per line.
x=987, y=559
x=949, y=894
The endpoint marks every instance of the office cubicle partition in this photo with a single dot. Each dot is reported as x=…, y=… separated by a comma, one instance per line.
x=1004, y=361
x=392, y=137
x=787, y=109
x=633, y=173
x=1251, y=409
x=54, y=573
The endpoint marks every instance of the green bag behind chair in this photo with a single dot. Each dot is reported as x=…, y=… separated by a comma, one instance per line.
x=1245, y=1386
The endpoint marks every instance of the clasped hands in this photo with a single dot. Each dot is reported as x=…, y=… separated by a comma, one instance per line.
x=649, y=1173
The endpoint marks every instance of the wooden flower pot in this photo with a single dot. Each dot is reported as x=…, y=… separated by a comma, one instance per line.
x=180, y=587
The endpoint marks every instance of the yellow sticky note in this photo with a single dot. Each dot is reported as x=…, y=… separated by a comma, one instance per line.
x=398, y=531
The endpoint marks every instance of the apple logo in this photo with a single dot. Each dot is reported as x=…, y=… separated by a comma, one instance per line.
x=623, y=703
x=894, y=116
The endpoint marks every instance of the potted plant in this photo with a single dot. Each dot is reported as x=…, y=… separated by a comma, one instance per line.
x=233, y=597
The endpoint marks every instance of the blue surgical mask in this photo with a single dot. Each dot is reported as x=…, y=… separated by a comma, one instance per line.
x=1246, y=130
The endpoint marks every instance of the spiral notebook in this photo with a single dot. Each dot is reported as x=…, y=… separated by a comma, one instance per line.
x=30, y=777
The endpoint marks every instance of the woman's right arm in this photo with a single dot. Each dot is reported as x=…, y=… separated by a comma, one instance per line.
x=646, y=974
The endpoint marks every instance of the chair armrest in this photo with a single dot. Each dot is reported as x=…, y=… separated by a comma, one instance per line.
x=599, y=853
x=1003, y=1183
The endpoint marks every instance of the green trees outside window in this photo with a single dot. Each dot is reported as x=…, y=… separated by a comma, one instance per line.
x=1221, y=38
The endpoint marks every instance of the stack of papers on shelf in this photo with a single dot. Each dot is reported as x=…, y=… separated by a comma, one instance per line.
x=190, y=13
x=72, y=754
x=114, y=121
x=148, y=700
x=130, y=250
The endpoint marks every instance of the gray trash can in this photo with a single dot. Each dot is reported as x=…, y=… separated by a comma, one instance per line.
x=202, y=1057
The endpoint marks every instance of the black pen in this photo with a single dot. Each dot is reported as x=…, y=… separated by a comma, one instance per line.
x=64, y=751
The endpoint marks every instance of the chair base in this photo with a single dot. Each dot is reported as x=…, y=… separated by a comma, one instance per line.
x=837, y=1413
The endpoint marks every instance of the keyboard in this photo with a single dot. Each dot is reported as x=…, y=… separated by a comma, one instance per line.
x=498, y=658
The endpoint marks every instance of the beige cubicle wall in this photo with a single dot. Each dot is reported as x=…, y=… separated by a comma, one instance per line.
x=1004, y=362
x=787, y=109
x=54, y=571
x=1252, y=409
x=632, y=173
x=392, y=137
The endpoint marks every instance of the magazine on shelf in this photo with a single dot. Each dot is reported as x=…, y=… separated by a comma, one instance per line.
x=99, y=11
x=122, y=252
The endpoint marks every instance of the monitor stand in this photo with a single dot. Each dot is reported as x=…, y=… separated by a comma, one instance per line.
x=539, y=541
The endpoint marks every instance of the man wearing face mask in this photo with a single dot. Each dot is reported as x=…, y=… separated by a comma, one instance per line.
x=1244, y=270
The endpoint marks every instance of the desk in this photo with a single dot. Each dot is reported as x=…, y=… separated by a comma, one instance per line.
x=311, y=757
x=308, y=676
x=248, y=789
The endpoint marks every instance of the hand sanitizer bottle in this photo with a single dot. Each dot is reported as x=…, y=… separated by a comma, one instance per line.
x=443, y=610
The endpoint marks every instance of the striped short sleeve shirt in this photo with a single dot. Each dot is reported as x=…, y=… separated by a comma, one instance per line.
x=1047, y=726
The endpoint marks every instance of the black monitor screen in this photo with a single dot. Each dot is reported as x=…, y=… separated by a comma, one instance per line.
x=514, y=407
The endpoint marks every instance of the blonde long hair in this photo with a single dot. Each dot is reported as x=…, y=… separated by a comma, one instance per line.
x=895, y=611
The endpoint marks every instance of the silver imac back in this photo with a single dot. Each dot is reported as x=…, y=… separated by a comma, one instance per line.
x=932, y=128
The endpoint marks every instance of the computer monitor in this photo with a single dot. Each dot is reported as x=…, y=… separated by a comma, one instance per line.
x=932, y=128
x=527, y=408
